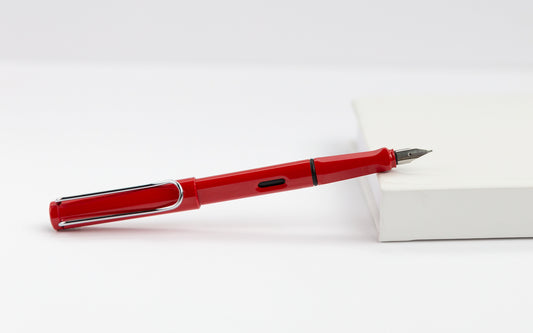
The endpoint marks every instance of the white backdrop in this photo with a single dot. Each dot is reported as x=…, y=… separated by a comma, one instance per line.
x=100, y=94
x=335, y=32
x=298, y=261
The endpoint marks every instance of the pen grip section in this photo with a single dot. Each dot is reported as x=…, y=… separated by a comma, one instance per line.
x=341, y=167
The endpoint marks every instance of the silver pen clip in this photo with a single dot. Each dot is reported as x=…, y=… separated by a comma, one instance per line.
x=130, y=214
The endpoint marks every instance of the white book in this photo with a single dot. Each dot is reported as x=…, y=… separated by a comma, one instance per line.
x=477, y=182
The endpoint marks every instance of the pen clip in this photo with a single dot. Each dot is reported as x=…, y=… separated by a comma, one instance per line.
x=121, y=215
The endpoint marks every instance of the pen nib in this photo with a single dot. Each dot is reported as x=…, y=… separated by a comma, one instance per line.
x=407, y=155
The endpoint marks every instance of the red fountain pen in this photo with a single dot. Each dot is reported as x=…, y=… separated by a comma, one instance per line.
x=190, y=193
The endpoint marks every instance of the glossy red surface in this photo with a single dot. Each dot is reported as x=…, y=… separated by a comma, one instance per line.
x=284, y=177
x=125, y=202
x=246, y=183
x=341, y=167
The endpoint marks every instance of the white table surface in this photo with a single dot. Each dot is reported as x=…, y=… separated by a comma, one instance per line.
x=305, y=260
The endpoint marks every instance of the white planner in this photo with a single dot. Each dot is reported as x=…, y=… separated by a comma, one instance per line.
x=477, y=182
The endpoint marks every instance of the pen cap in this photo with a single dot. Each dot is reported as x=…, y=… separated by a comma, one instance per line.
x=107, y=206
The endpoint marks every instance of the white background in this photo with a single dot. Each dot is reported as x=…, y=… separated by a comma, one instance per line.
x=334, y=32
x=103, y=95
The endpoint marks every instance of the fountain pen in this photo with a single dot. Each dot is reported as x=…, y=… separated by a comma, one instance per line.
x=190, y=193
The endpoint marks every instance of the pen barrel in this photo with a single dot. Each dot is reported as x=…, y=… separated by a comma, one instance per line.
x=276, y=178
x=341, y=167
x=292, y=176
x=122, y=204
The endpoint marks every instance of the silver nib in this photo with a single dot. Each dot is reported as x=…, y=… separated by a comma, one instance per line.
x=407, y=155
